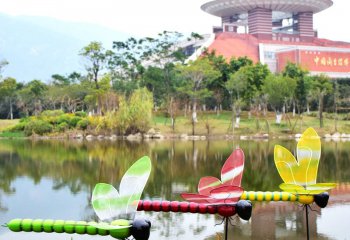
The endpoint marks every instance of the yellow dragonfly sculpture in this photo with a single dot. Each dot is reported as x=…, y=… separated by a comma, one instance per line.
x=299, y=175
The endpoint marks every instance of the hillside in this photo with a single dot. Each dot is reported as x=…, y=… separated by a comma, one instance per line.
x=37, y=47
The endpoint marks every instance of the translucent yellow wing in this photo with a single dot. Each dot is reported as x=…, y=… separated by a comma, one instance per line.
x=290, y=170
x=309, y=143
x=309, y=190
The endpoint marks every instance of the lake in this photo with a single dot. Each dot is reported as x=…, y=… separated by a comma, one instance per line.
x=54, y=179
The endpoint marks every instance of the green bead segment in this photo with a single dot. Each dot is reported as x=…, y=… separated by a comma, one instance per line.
x=61, y=226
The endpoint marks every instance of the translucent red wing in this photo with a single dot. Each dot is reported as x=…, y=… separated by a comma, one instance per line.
x=232, y=171
x=218, y=195
x=207, y=184
x=197, y=198
x=226, y=194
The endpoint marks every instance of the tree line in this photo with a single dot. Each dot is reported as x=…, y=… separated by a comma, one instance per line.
x=210, y=83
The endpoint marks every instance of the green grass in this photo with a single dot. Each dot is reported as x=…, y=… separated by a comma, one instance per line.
x=12, y=134
x=5, y=124
x=221, y=124
x=218, y=125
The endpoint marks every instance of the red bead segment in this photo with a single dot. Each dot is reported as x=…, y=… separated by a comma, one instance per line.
x=185, y=207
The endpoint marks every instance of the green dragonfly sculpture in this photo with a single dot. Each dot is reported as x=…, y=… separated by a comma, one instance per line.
x=115, y=209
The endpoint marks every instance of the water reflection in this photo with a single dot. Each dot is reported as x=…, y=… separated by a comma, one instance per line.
x=54, y=179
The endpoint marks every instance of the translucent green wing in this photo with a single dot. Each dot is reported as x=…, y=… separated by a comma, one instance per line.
x=105, y=201
x=109, y=204
x=309, y=151
x=133, y=183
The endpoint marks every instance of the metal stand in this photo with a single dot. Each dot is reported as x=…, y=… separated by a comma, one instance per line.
x=226, y=228
x=307, y=221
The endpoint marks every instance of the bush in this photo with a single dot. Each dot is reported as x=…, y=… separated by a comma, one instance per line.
x=37, y=126
x=74, y=121
x=83, y=124
x=18, y=127
x=63, y=118
x=80, y=114
x=62, y=127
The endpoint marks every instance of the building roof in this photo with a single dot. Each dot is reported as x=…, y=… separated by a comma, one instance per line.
x=231, y=44
x=222, y=8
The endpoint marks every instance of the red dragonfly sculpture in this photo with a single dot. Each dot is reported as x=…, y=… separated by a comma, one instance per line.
x=224, y=193
x=214, y=195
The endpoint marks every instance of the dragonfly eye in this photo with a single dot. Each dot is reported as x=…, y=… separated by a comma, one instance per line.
x=244, y=209
x=140, y=229
x=321, y=199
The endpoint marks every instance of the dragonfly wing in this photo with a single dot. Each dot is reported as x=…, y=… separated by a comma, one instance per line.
x=319, y=187
x=133, y=183
x=292, y=188
x=197, y=198
x=308, y=155
x=107, y=226
x=206, y=184
x=285, y=163
x=232, y=171
x=226, y=194
x=104, y=201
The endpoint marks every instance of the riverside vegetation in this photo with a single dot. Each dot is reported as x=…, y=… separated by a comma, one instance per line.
x=147, y=83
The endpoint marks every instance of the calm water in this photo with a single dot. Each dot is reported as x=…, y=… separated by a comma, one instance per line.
x=54, y=179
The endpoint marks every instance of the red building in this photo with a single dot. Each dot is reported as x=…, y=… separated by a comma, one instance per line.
x=277, y=32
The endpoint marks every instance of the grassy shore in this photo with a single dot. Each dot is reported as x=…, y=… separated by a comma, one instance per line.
x=216, y=125
x=213, y=124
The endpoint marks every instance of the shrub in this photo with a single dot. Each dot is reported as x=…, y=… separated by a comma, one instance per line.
x=63, y=118
x=62, y=127
x=83, y=124
x=73, y=121
x=37, y=126
x=80, y=114
x=18, y=127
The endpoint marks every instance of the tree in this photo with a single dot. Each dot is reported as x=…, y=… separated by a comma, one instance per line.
x=278, y=89
x=236, y=86
x=97, y=58
x=31, y=96
x=321, y=86
x=3, y=63
x=8, y=89
x=196, y=76
x=301, y=91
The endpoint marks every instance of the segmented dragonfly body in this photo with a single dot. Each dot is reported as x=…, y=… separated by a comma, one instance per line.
x=80, y=227
x=109, y=205
x=205, y=208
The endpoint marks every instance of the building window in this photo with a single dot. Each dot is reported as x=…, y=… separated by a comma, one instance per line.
x=269, y=55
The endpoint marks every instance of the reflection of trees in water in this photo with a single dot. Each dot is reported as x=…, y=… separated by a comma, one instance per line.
x=177, y=165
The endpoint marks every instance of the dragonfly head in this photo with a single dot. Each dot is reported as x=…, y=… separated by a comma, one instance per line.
x=140, y=229
x=244, y=209
x=321, y=199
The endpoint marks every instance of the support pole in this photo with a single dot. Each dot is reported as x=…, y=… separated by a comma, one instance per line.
x=226, y=228
x=307, y=221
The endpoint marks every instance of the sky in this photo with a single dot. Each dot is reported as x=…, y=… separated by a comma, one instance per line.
x=141, y=18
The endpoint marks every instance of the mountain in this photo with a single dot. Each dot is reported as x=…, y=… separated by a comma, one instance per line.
x=38, y=47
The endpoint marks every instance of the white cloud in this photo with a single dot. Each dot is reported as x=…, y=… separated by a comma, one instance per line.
x=148, y=17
